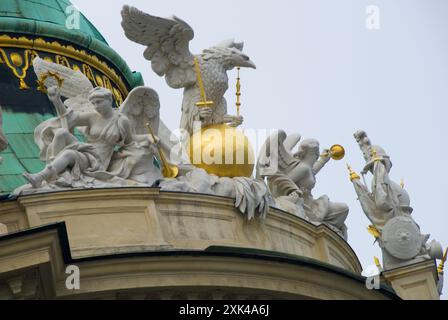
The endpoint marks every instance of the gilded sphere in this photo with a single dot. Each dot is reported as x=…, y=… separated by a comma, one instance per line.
x=337, y=152
x=223, y=151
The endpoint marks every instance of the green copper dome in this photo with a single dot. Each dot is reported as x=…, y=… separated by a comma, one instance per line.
x=48, y=11
x=47, y=18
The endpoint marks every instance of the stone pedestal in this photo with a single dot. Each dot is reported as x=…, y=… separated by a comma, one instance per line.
x=414, y=282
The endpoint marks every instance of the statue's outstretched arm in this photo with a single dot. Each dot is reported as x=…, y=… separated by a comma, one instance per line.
x=323, y=160
x=69, y=117
x=54, y=94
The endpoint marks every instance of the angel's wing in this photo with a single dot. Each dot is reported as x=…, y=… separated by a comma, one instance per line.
x=276, y=153
x=75, y=86
x=167, y=42
x=142, y=106
x=74, y=83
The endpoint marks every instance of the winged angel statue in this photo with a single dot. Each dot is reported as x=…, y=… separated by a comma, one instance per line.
x=116, y=149
x=167, y=42
x=292, y=176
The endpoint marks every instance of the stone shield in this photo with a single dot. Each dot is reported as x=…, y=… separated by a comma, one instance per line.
x=402, y=238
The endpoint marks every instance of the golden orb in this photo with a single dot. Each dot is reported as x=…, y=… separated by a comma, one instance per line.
x=222, y=150
x=337, y=152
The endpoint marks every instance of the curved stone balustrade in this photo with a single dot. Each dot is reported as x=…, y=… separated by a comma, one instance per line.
x=111, y=221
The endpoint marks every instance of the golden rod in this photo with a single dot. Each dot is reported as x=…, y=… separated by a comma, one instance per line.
x=238, y=92
x=169, y=170
x=204, y=102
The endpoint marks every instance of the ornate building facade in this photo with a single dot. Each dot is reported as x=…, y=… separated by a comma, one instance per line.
x=146, y=242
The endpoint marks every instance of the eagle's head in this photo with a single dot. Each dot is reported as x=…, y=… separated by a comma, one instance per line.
x=229, y=54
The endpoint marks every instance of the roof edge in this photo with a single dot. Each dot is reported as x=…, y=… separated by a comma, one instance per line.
x=212, y=251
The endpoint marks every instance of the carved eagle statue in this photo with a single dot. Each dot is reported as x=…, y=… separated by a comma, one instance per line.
x=167, y=42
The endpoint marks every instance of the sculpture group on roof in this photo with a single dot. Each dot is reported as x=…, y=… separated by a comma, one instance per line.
x=131, y=146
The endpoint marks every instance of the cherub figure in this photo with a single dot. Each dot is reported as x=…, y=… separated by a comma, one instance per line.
x=292, y=177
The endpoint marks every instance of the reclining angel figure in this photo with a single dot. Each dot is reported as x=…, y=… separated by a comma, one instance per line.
x=167, y=42
x=292, y=177
x=112, y=139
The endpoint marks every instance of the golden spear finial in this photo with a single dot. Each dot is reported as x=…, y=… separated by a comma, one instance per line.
x=377, y=262
x=238, y=92
x=374, y=231
x=353, y=174
x=442, y=263
x=402, y=183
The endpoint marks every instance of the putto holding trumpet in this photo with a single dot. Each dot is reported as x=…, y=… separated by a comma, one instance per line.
x=292, y=176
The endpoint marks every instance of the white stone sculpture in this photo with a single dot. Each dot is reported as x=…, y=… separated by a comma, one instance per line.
x=118, y=150
x=292, y=177
x=251, y=196
x=96, y=162
x=167, y=42
x=3, y=141
x=387, y=206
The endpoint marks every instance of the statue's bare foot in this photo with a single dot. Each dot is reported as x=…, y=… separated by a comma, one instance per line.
x=34, y=179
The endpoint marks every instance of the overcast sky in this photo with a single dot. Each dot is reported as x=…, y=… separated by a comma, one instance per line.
x=322, y=73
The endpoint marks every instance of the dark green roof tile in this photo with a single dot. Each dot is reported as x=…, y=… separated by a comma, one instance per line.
x=10, y=165
x=11, y=182
x=33, y=165
x=23, y=145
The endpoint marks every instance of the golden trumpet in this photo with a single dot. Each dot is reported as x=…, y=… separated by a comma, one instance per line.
x=337, y=152
x=169, y=170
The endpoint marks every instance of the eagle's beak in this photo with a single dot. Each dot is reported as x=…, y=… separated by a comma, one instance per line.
x=249, y=64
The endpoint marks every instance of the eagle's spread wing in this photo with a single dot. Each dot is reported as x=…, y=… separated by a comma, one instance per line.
x=276, y=153
x=142, y=106
x=75, y=85
x=167, y=42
